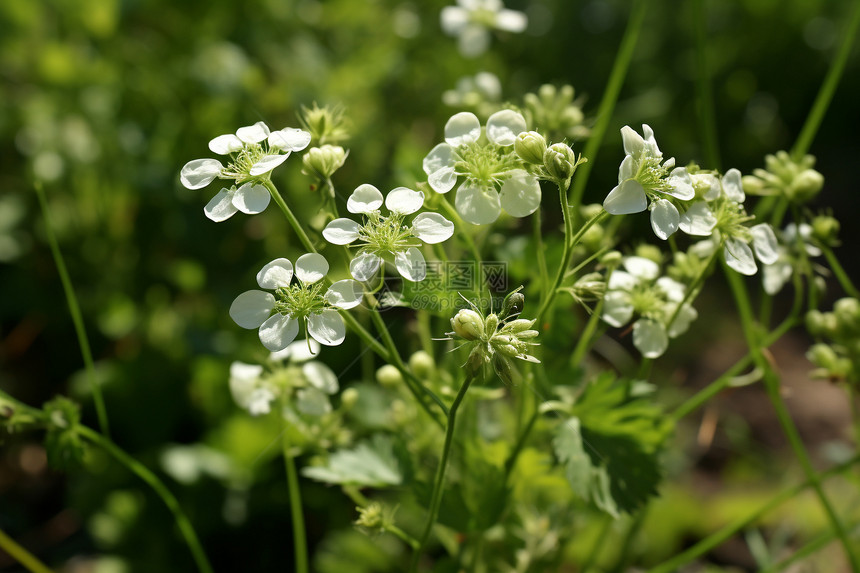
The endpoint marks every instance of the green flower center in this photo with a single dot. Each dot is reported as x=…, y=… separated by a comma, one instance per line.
x=300, y=300
x=731, y=219
x=486, y=164
x=382, y=234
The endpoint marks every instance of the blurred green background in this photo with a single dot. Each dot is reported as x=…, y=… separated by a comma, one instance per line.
x=105, y=100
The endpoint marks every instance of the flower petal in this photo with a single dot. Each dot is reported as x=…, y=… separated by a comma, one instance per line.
x=364, y=266
x=432, y=228
x=739, y=256
x=440, y=156
x=289, y=139
x=621, y=280
x=453, y=19
x=478, y=206
x=463, y=127
x=649, y=336
x=673, y=289
x=220, y=207
x=345, y=294
x=277, y=273
x=226, y=144
x=732, y=186
x=627, y=169
x=251, y=198
x=404, y=200
x=410, y=264
x=312, y=402
x=698, y=220
x=253, y=133
x=626, y=198
x=664, y=218
x=311, y=268
x=634, y=144
x=775, y=276
x=709, y=183
x=511, y=21
x=617, y=310
x=641, y=268
x=277, y=332
x=681, y=324
x=341, y=231
x=682, y=185
x=443, y=180
x=251, y=308
x=327, y=328
x=520, y=195
x=504, y=126
x=473, y=40
x=298, y=351
x=268, y=163
x=320, y=377
x=365, y=199
x=199, y=173
x=765, y=244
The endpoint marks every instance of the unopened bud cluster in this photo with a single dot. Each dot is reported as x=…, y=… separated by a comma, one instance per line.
x=321, y=162
x=837, y=356
x=556, y=162
x=797, y=181
x=556, y=111
x=496, y=338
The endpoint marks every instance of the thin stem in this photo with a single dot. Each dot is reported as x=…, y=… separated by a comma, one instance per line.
x=584, y=342
x=75, y=312
x=300, y=545
x=610, y=97
x=839, y=271
x=521, y=442
x=21, y=555
x=772, y=385
x=540, y=251
x=718, y=538
x=141, y=471
x=828, y=88
x=291, y=219
x=438, y=483
x=707, y=116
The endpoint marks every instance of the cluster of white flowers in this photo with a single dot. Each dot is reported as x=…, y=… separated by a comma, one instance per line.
x=483, y=167
x=254, y=151
x=382, y=235
x=640, y=290
x=305, y=302
x=471, y=21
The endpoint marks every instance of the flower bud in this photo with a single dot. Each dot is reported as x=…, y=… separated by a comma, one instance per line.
x=825, y=229
x=806, y=185
x=591, y=286
x=322, y=162
x=517, y=326
x=560, y=161
x=649, y=252
x=371, y=519
x=847, y=312
x=503, y=369
x=820, y=324
x=422, y=364
x=530, y=146
x=822, y=356
x=491, y=324
x=611, y=258
x=349, y=398
x=389, y=376
x=513, y=304
x=468, y=324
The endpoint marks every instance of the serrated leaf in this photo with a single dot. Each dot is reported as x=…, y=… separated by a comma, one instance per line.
x=610, y=448
x=373, y=463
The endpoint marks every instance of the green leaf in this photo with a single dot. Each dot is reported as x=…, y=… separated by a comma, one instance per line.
x=378, y=462
x=610, y=447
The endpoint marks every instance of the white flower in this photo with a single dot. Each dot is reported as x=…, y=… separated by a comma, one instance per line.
x=643, y=175
x=249, y=389
x=472, y=20
x=640, y=290
x=387, y=234
x=490, y=174
x=472, y=91
x=776, y=274
x=300, y=302
x=254, y=151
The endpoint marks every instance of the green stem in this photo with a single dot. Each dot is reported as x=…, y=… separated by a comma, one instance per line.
x=565, y=262
x=141, y=471
x=707, y=115
x=828, y=88
x=75, y=312
x=291, y=219
x=839, y=271
x=438, y=483
x=771, y=381
x=584, y=342
x=718, y=538
x=300, y=544
x=692, y=290
x=521, y=442
x=540, y=252
x=610, y=97
x=21, y=555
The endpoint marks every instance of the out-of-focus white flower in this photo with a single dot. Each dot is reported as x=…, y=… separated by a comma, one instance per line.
x=471, y=21
x=382, y=235
x=645, y=179
x=481, y=163
x=640, y=290
x=472, y=91
x=253, y=151
x=303, y=302
x=794, y=237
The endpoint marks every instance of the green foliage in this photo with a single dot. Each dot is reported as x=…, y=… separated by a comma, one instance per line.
x=64, y=446
x=378, y=462
x=610, y=447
